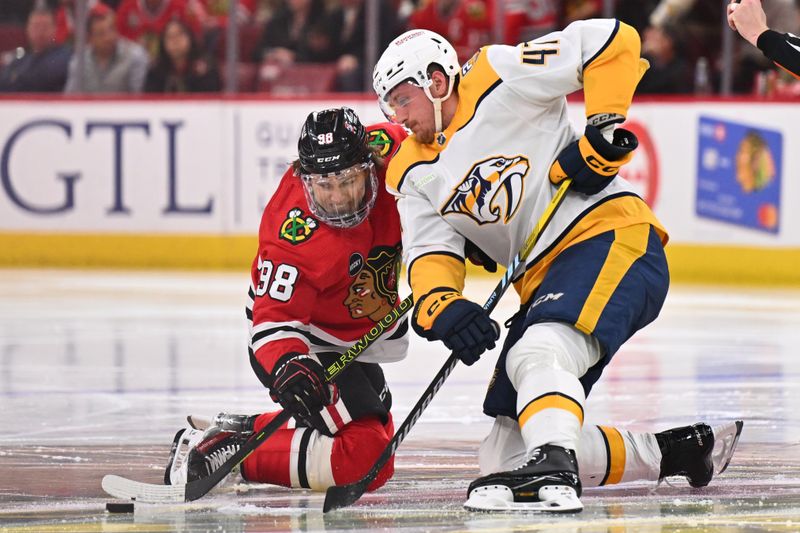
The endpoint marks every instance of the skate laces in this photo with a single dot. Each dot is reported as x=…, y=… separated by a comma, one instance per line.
x=216, y=458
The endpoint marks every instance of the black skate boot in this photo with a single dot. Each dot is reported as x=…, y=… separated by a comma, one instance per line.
x=196, y=454
x=697, y=452
x=548, y=482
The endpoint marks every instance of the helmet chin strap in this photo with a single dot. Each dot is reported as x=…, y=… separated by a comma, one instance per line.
x=437, y=102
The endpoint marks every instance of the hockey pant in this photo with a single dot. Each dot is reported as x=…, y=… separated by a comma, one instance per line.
x=357, y=429
x=594, y=296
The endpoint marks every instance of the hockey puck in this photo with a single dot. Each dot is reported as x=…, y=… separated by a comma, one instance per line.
x=114, y=507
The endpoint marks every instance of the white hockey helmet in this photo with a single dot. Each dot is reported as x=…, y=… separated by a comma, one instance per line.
x=407, y=58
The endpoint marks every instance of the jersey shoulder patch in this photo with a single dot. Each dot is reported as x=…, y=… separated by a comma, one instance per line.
x=298, y=227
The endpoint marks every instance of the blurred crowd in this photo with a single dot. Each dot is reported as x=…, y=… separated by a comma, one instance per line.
x=302, y=46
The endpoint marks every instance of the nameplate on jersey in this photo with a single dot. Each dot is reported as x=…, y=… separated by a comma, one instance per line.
x=491, y=187
x=297, y=228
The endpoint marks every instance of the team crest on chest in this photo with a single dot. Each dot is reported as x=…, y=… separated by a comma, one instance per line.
x=297, y=228
x=492, y=187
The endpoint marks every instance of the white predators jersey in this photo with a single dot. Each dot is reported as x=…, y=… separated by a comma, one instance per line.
x=486, y=177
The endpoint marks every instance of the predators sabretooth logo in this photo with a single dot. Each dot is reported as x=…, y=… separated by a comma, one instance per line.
x=478, y=194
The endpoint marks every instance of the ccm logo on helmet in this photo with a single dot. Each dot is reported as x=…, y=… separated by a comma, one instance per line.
x=328, y=159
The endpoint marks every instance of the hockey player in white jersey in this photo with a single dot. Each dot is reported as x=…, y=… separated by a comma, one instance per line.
x=490, y=142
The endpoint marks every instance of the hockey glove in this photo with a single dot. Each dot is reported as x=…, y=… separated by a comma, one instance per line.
x=592, y=162
x=298, y=384
x=463, y=326
x=478, y=257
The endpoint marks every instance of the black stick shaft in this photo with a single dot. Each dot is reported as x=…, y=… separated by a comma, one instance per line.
x=344, y=495
x=199, y=488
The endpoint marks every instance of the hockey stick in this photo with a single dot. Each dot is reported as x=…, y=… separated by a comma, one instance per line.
x=129, y=489
x=340, y=496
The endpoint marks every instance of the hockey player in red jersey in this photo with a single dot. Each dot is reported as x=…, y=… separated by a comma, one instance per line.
x=326, y=272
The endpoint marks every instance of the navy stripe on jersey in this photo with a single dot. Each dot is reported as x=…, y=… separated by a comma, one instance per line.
x=602, y=48
x=532, y=262
x=491, y=88
x=403, y=178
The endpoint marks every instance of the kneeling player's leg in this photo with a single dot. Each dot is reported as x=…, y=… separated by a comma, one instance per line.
x=305, y=458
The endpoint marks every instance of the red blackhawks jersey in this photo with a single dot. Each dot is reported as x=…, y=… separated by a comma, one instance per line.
x=315, y=288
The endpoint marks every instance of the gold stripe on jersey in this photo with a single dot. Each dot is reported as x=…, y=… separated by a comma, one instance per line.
x=551, y=400
x=435, y=270
x=629, y=245
x=615, y=455
x=610, y=78
x=613, y=213
x=480, y=79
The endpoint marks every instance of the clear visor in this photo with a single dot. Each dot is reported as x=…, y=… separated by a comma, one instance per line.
x=391, y=103
x=342, y=199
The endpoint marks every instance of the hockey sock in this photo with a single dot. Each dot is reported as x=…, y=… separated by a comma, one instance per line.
x=608, y=455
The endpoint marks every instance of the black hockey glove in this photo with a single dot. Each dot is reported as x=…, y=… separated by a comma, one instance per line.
x=478, y=257
x=465, y=328
x=591, y=161
x=298, y=384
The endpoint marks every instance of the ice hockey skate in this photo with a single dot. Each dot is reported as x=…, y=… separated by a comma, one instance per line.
x=196, y=454
x=547, y=482
x=224, y=421
x=698, y=452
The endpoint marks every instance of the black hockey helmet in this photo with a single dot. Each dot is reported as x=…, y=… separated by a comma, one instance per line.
x=332, y=140
x=336, y=167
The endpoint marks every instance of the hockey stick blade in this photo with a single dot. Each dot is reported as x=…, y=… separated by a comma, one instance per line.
x=129, y=489
x=340, y=496
x=337, y=497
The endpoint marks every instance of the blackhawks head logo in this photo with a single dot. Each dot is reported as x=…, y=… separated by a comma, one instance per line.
x=491, y=187
x=297, y=229
x=373, y=292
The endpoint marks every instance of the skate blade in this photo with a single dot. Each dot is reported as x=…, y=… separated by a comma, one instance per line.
x=726, y=438
x=199, y=422
x=499, y=498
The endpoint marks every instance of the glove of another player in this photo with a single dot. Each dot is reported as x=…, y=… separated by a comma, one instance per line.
x=592, y=162
x=466, y=330
x=298, y=384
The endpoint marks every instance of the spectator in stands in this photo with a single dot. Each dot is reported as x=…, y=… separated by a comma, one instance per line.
x=217, y=12
x=15, y=11
x=465, y=23
x=669, y=73
x=352, y=26
x=635, y=12
x=180, y=66
x=43, y=66
x=65, y=19
x=529, y=19
x=144, y=21
x=301, y=31
x=111, y=64
x=581, y=10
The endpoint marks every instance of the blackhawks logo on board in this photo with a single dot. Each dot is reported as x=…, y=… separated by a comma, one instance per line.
x=296, y=228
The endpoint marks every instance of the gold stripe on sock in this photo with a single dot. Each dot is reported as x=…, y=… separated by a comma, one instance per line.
x=615, y=455
x=551, y=400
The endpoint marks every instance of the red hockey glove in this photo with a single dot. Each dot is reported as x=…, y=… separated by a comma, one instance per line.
x=592, y=162
x=298, y=384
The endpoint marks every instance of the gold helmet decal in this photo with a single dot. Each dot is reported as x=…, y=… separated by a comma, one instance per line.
x=478, y=195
